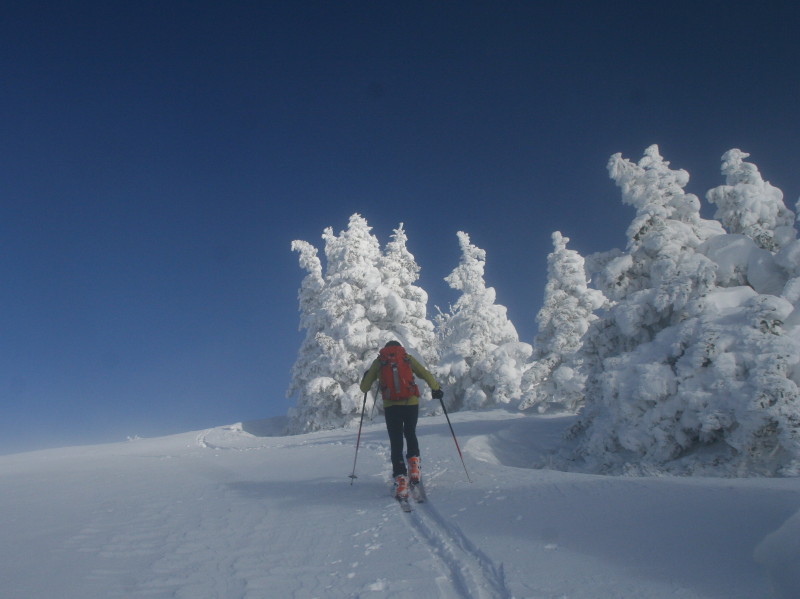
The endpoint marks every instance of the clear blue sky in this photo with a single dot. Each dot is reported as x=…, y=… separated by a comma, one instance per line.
x=157, y=159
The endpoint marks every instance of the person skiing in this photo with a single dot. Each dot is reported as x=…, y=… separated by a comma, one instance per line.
x=395, y=368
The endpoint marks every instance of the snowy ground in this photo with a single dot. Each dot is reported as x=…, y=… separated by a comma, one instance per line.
x=233, y=512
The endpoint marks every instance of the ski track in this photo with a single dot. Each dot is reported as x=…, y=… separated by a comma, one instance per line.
x=470, y=572
x=466, y=571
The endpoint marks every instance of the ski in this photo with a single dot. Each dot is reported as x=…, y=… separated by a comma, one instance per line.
x=418, y=492
x=404, y=504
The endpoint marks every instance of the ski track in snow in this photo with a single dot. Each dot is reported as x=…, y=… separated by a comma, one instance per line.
x=467, y=570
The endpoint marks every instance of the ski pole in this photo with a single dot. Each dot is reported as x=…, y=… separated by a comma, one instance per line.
x=374, y=403
x=441, y=401
x=358, y=439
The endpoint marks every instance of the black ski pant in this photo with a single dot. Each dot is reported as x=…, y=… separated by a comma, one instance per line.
x=401, y=421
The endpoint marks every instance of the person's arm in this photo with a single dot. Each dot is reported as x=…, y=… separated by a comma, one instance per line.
x=423, y=373
x=370, y=376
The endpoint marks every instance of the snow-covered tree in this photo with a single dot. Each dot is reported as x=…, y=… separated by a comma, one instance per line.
x=651, y=283
x=308, y=365
x=749, y=205
x=555, y=380
x=686, y=377
x=345, y=338
x=762, y=250
x=667, y=228
x=365, y=299
x=714, y=394
x=481, y=358
x=406, y=304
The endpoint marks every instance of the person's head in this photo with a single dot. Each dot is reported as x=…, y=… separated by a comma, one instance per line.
x=393, y=344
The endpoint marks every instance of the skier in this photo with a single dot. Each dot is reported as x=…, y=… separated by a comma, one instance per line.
x=396, y=369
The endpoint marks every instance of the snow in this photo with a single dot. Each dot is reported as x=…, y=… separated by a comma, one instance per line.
x=241, y=512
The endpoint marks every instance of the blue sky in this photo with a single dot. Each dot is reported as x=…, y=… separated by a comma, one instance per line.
x=158, y=158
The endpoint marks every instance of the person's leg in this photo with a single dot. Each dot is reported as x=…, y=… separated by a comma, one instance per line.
x=410, y=418
x=394, y=425
x=410, y=433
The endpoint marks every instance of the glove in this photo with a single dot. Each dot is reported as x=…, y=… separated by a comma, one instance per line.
x=437, y=394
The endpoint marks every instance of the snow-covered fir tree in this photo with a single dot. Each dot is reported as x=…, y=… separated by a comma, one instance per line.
x=406, y=304
x=687, y=376
x=329, y=365
x=660, y=261
x=652, y=282
x=788, y=260
x=556, y=378
x=714, y=394
x=309, y=366
x=481, y=359
x=364, y=300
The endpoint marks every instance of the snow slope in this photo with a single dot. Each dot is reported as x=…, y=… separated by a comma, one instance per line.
x=238, y=512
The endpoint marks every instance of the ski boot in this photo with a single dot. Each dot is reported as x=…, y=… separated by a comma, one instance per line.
x=401, y=487
x=413, y=470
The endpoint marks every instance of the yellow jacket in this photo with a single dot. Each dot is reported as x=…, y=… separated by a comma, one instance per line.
x=371, y=375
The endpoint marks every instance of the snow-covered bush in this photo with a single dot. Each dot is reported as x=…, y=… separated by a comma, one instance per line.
x=709, y=395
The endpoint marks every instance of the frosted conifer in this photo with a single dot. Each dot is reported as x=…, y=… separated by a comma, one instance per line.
x=686, y=377
x=556, y=379
x=406, y=304
x=344, y=337
x=308, y=365
x=481, y=360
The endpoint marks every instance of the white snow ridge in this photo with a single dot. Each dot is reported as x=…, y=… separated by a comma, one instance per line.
x=227, y=513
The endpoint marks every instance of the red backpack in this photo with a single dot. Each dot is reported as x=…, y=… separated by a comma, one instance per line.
x=396, y=378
